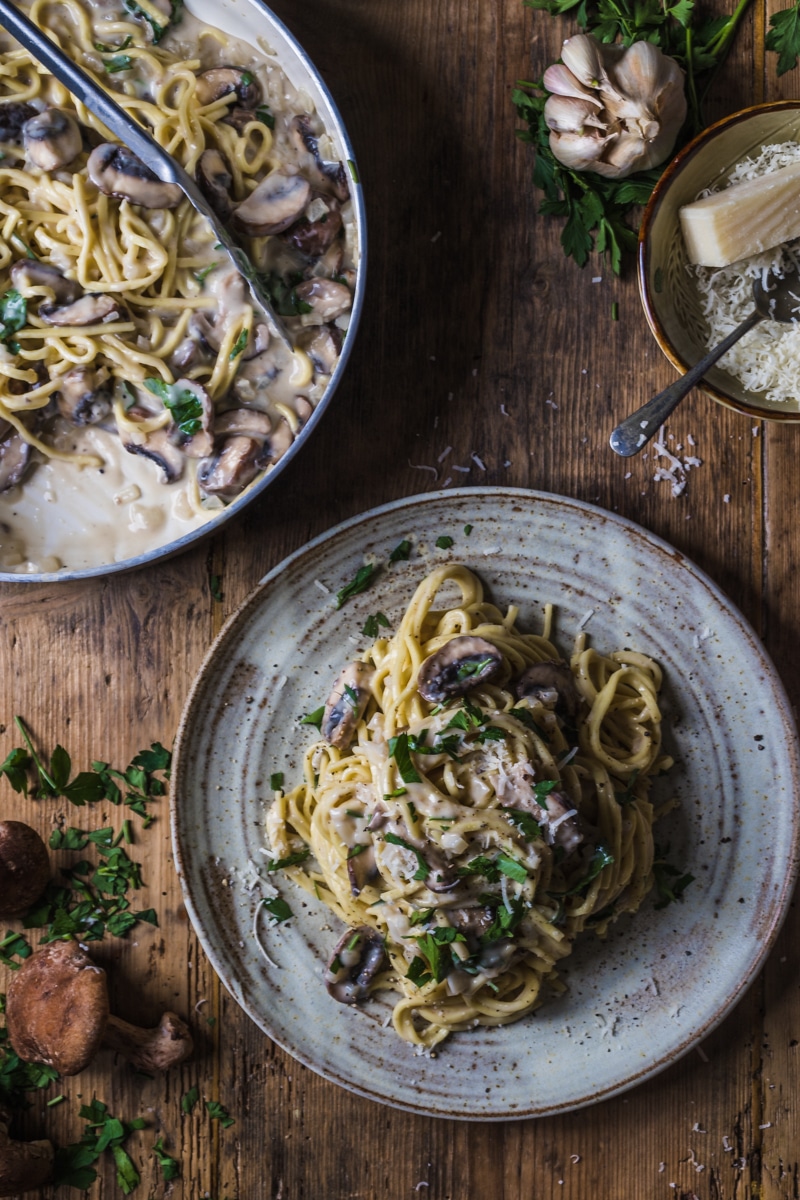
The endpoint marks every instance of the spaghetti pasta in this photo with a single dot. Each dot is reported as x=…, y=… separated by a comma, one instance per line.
x=475, y=805
x=117, y=309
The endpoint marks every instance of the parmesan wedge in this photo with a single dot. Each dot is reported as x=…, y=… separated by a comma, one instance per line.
x=744, y=219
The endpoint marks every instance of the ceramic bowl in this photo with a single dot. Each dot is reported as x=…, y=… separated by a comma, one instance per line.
x=671, y=302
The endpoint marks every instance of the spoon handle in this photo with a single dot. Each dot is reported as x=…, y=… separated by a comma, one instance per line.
x=636, y=430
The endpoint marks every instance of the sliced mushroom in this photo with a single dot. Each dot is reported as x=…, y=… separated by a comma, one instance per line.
x=358, y=957
x=225, y=474
x=362, y=868
x=52, y=139
x=157, y=446
x=323, y=345
x=329, y=175
x=228, y=81
x=12, y=117
x=443, y=876
x=329, y=266
x=200, y=442
x=326, y=299
x=313, y=238
x=248, y=422
x=472, y=922
x=238, y=118
x=275, y=204
x=459, y=666
x=210, y=335
x=346, y=704
x=215, y=182
x=92, y=308
x=15, y=455
x=116, y=171
x=188, y=354
x=28, y=273
x=551, y=682
x=84, y=396
x=563, y=827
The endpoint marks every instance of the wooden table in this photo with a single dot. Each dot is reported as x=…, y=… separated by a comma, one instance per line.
x=478, y=334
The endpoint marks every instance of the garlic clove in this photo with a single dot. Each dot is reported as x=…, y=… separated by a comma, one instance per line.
x=588, y=60
x=580, y=151
x=567, y=114
x=559, y=80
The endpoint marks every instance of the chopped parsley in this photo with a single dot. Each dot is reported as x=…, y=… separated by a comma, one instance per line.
x=217, y=1113
x=401, y=552
x=189, y=1099
x=170, y=1167
x=276, y=781
x=184, y=405
x=601, y=859
x=158, y=30
x=264, y=115
x=204, y=272
x=400, y=751
x=74, y=1165
x=472, y=667
x=315, y=717
x=363, y=578
x=542, y=790
x=277, y=908
x=238, y=345
x=629, y=794
x=372, y=624
x=215, y=587
x=524, y=822
x=120, y=62
x=467, y=530
x=291, y=860
x=13, y=314
x=444, y=542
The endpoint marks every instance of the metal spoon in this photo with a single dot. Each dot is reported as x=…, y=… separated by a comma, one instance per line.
x=145, y=147
x=774, y=301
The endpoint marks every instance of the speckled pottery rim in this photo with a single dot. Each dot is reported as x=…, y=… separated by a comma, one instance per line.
x=671, y=174
x=304, y=75
x=663, y=979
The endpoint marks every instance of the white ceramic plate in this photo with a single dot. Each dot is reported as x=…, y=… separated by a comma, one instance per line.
x=662, y=979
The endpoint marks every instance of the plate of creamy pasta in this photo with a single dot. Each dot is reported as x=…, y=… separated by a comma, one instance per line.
x=143, y=399
x=465, y=814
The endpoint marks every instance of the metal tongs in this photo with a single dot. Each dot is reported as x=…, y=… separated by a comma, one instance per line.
x=137, y=139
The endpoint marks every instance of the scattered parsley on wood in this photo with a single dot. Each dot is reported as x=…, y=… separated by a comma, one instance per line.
x=189, y=1099
x=74, y=1165
x=215, y=587
x=170, y=1167
x=217, y=1113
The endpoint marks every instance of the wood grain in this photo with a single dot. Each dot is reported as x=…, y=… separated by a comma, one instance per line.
x=478, y=336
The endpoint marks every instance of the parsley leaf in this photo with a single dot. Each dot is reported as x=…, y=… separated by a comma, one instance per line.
x=238, y=345
x=264, y=115
x=278, y=908
x=401, y=552
x=372, y=624
x=670, y=883
x=13, y=313
x=400, y=751
x=601, y=859
x=784, y=37
x=315, y=717
x=120, y=62
x=170, y=1167
x=444, y=542
x=291, y=860
x=184, y=405
x=363, y=578
x=524, y=822
x=217, y=1113
x=189, y=1099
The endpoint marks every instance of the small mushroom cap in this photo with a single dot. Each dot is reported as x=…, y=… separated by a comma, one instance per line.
x=93, y=308
x=23, y=1165
x=28, y=273
x=550, y=677
x=57, y=1008
x=227, y=81
x=239, y=461
x=358, y=957
x=24, y=867
x=460, y=665
x=52, y=139
x=273, y=205
x=116, y=171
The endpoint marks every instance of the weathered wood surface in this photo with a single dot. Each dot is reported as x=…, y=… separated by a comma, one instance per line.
x=480, y=336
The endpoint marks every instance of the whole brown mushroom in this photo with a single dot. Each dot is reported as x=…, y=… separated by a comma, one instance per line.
x=24, y=867
x=57, y=1013
x=23, y=1165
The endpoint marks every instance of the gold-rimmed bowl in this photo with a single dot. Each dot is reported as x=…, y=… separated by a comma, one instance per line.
x=671, y=301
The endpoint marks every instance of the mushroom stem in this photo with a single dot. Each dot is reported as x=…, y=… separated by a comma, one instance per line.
x=150, y=1049
x=23, y=1165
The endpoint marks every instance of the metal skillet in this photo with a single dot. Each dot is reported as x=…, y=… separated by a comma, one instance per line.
x=137, y=139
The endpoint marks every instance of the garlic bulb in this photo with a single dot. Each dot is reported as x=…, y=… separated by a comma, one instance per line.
x=613, y=109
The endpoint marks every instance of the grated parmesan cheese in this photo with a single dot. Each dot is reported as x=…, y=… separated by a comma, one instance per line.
x=765, y=359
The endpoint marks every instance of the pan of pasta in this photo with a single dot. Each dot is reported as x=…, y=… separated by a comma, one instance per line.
x=464, y=814
x=143, y=399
